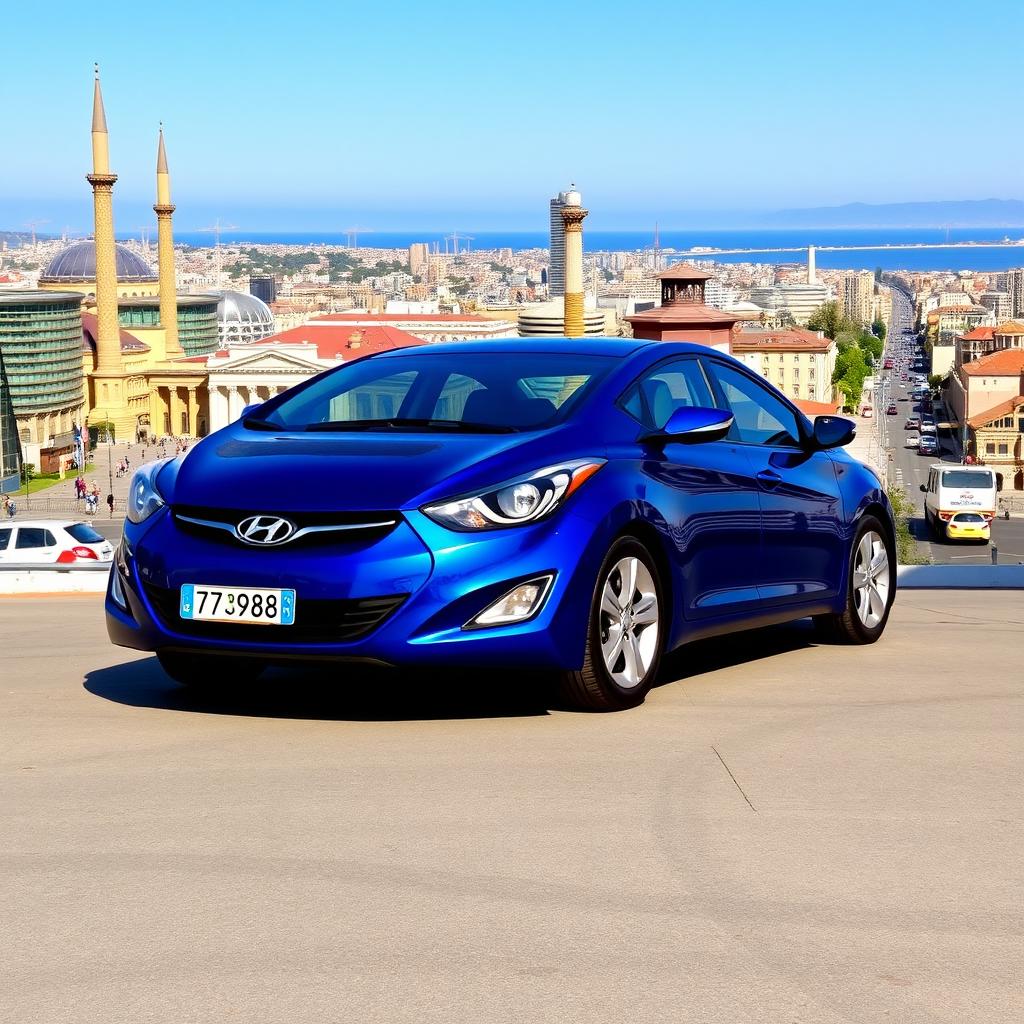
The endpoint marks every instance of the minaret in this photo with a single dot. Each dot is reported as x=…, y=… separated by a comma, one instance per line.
x=165, y=253
x=812, y=277
x=572, y=217
x=108, y=333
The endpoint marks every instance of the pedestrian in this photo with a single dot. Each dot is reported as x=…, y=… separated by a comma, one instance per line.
x=110, y=504
x=12, y=508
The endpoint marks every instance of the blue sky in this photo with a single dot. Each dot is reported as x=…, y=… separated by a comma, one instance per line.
x=405, y=115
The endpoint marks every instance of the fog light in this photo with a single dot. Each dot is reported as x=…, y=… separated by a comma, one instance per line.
x=519, y=604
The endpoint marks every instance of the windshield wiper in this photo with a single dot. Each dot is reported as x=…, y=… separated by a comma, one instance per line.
x=455, y=426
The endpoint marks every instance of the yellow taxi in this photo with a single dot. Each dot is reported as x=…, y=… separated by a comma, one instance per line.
x=968, y=526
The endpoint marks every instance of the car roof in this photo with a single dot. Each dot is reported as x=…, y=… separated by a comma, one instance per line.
x=587, y=346
x=60, y=523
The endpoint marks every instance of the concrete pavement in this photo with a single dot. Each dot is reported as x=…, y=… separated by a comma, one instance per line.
x=784, y=832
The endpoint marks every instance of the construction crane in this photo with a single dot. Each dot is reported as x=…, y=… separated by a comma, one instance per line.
x=352, y=236
x=216, y=227
x=455, y=238
x=32, y=225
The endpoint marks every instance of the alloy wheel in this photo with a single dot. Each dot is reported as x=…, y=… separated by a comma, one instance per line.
x=629, y=622
x=871, y=579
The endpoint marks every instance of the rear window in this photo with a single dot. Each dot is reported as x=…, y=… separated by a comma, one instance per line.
x=962, y=478
x=85, y=534
x=969, y=517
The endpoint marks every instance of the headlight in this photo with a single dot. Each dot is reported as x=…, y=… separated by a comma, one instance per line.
x=520, y=501
x=143, y=497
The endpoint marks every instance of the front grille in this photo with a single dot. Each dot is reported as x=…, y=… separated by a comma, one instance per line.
x=353, y=527
x=316, y=622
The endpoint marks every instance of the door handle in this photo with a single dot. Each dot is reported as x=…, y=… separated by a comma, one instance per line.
x=769, y=478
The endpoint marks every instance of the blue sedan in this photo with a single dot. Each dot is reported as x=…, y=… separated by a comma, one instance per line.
x=575, y=506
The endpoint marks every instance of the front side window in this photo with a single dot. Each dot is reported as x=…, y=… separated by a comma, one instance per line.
x=759, y=417
x=665, y=388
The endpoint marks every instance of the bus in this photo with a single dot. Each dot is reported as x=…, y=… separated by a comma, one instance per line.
x=953, y=488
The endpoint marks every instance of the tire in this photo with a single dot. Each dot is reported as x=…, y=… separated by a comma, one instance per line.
x=210, y=673
x=618, y=674
x=867, y=607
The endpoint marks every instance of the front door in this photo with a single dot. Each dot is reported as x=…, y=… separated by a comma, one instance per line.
x=711, y=497
x=801, y=512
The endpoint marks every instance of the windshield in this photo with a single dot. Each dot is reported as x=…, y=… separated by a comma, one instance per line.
x=477, y=392
x=963, y=478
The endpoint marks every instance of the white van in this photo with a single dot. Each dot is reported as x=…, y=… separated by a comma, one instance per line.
x=951, y=489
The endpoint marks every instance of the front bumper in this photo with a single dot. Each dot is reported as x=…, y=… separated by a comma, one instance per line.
x=401, y=599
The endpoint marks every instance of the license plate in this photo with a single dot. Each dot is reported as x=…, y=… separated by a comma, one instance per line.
x=237, y=604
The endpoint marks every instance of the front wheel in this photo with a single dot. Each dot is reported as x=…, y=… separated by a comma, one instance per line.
x=870, y=587
x=625, y=635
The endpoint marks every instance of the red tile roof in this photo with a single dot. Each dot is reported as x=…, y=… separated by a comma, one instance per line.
x=1007, y=363
x=995, y=413
x=343, y=342
x=979, y=334
x=813, y=409
x=1009, y=327
x=384, y=318
x=794, y=340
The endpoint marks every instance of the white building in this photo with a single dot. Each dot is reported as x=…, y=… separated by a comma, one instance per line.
x=248, y=374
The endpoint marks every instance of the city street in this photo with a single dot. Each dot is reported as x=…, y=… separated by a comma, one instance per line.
x=784, y=832
x=911, y=469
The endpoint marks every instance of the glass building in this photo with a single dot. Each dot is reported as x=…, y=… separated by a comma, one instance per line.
x=198, y=320
x=41, y=342
x=10, y=446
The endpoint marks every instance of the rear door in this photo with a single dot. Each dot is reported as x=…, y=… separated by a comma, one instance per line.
x=803, y=548
x=34, y=544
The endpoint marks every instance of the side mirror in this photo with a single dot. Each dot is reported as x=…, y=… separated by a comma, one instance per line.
x=693, y=425
x=249, y=410
x=833, y=432
x=924, y=488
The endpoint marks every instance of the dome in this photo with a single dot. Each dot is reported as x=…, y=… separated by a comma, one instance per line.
x=243, y=318
x=78, y=263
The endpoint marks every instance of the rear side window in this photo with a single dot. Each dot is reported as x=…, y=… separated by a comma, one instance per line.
x=677, y=385
x=34, y=537
x=5, y=539
x=85, y=534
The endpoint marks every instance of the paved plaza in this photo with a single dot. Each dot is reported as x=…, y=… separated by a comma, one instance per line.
x=784, y=832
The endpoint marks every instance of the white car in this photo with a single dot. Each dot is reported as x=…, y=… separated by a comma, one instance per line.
x=52, y=540
x=913, y=441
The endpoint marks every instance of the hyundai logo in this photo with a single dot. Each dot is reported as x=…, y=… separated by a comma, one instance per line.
x=264, y=530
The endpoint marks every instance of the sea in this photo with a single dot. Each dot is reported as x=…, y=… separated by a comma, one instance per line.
x=929, y=252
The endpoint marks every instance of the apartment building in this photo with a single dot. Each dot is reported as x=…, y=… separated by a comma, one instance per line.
x=798, y=362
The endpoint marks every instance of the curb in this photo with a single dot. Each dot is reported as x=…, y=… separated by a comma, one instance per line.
x=960, y=577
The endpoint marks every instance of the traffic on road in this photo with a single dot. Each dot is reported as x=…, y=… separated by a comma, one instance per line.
x=926, y=457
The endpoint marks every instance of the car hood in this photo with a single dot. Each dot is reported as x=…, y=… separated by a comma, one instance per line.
x=243, y=469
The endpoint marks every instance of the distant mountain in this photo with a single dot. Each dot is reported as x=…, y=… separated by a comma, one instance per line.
x=974, y=213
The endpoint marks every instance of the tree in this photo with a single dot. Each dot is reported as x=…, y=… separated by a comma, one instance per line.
x=878, y=328
x=828, y=318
